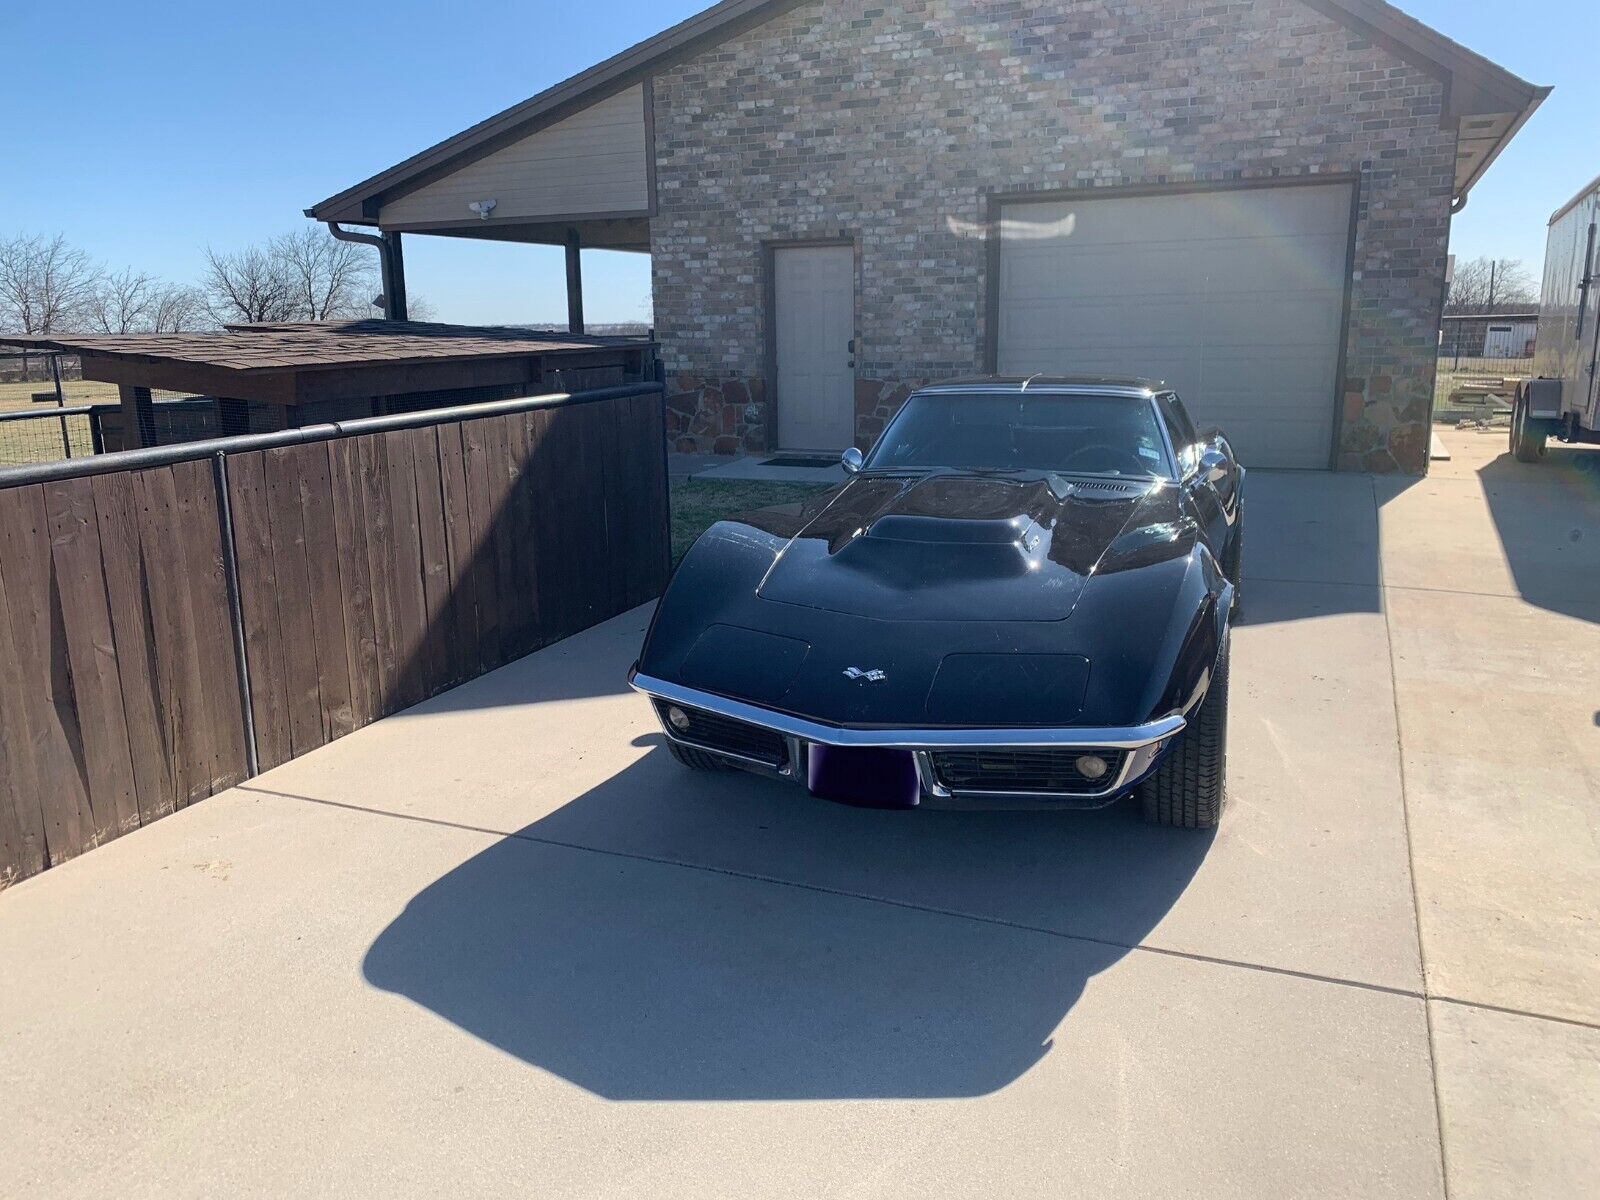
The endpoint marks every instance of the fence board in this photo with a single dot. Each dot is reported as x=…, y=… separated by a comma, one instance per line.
x=517, y=549
x=410, y=608
x=91, y=653
x=372, y=482
x=302, y=683
x=258, y=598
x=483, y=507
x=458, y=538
x=374, y=571
x=22, y=826
x=189, y=738
x=438, y=636
x=349, y=524
x=322, y=615
x=49, y=719
x=211, y=630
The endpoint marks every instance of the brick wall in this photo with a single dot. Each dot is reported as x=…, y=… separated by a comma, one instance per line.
x=892, y=122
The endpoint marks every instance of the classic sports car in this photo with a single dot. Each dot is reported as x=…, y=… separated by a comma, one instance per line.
x=1020, y=598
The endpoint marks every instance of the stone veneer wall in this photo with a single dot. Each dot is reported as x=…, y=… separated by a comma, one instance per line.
x=891, y=123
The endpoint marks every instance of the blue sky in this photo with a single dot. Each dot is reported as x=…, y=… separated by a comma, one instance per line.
x=144, y=131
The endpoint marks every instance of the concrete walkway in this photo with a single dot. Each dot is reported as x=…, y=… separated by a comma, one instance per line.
x=503, y=945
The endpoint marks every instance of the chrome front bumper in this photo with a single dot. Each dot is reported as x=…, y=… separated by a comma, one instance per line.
x=1143, y=745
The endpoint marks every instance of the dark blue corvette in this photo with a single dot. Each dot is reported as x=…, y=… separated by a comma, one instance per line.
x=1020, y=598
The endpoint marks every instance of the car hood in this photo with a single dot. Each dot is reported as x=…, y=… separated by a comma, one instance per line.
x=952, y=546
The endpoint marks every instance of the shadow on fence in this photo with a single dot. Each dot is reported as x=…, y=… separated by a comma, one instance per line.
x=331, y=575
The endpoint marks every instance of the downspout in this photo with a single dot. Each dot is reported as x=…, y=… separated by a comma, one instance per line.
x=394, y=296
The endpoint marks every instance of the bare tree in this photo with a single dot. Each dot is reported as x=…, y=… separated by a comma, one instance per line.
x=176, y=309
x=45, y=284
x=247, y=286
x=1490, y=285
x=330, y=278
x=120, y=303
x=420, y=308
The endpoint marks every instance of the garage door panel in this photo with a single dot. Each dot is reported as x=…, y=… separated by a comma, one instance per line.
x=1235, y=298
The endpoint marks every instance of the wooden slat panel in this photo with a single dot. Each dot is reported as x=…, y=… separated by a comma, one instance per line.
x=355, y=577
x=438, y=642
x=463, y=610
x=372, y=483
x=484, y=499
x=552, y=565
x=211, y=629
x=51, y=720
x=326, y=598
x=589, y=484
x=302, y=685
x=122, y=560
x=22, y=822
x=647, y=473
x=374, y=572
x=258, y=596
x=517, y=550
x=181, y=697
x=410, y=608
x=84, y=634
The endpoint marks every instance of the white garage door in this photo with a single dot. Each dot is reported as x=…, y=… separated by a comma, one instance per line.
x=1234, y=298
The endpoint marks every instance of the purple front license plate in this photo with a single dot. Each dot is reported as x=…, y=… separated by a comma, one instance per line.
x=866, y=776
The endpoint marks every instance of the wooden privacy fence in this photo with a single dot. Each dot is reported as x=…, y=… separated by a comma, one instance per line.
x=174, y=620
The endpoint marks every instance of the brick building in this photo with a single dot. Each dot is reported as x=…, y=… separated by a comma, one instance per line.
x=845, y=198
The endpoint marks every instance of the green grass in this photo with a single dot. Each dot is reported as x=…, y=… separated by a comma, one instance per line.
x=698, y=504
x=78, y=391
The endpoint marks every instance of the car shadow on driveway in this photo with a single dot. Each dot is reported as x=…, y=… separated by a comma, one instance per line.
x=673, y=936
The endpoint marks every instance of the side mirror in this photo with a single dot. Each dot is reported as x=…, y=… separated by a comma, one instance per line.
x=1214, y=465
x=851, y=460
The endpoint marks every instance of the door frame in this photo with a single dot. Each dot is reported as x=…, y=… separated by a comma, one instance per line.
x=769, y=320
x=995, y=201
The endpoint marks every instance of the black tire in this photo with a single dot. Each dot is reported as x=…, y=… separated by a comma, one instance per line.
x=697, y=760
x=1528, y=434
x=1189, y=788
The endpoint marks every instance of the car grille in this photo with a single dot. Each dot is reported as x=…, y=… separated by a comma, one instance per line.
x=718, y=733
x=1038, y=770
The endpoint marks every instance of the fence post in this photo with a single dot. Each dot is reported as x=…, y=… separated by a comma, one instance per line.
x=230, y=563
x=61, y=402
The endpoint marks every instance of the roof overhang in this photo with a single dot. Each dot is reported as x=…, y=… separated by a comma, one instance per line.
x=1484, y=103
x=308, y=362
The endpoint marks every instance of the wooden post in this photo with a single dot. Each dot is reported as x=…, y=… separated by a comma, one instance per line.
x=138, y=417
x=574, y=284
x=394, y=290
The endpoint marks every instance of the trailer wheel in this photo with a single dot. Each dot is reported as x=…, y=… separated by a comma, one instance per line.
x=1528, y=434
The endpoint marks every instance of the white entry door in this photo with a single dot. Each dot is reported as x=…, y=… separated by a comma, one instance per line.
x=815, y=293
x=1235, y=298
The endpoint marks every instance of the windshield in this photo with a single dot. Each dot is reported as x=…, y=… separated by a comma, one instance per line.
x=987, y=431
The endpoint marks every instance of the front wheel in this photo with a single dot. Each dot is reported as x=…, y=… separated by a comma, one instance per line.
x=1528, y=434
x=1188, y=788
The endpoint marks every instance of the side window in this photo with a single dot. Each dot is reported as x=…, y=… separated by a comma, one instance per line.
x=1183, y=434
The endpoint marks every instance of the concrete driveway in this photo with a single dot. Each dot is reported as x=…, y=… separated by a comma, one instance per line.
x=503, y=945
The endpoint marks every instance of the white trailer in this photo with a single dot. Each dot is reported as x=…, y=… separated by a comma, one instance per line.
x=1562, y=401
